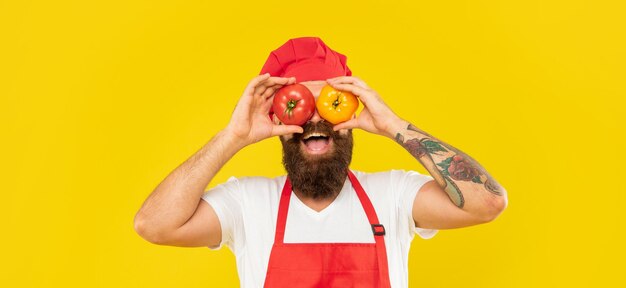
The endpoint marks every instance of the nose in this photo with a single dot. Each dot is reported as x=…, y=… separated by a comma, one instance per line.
x=316, y=117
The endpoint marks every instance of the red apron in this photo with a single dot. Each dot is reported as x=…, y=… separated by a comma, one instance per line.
x=328, y=264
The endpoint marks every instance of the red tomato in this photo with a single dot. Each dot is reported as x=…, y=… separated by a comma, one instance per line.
x=294, y=104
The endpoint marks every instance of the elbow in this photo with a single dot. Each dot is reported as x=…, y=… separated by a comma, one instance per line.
x=495, y=207
x=145, y=231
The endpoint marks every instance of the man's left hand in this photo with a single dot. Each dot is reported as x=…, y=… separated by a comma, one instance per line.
x=376, y=117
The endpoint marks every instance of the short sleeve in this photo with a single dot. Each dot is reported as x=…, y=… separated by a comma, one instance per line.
x=226, y=202
x=409, y=183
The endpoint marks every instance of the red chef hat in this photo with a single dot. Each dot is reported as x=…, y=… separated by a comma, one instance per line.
x=307, y=59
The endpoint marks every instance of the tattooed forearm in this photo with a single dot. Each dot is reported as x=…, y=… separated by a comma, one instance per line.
x=448, y=165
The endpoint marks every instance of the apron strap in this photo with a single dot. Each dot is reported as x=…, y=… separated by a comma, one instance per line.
x=377, y=229
x=283, y=209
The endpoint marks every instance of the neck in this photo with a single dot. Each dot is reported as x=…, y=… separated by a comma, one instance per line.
x=317, y=204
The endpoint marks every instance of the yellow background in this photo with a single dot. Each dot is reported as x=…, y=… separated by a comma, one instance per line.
x=102, y=99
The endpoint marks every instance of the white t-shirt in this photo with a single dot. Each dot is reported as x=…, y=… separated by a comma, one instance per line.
x=247, y=208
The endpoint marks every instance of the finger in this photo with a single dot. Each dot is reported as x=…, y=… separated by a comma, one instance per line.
x=348, y=80
x=278, y=130
x=276, y=81
x=343, y=78
x=255, y=81
x=356, y=90
x=259, y=90
x=262, y=89
x=270, y=91
x=265, y=106
x=350, y=124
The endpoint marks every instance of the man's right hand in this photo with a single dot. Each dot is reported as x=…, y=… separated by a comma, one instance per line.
x=250, y=122
x=174, y=213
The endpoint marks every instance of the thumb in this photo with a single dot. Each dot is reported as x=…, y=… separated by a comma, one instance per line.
x=352, y=123
x=278, y=130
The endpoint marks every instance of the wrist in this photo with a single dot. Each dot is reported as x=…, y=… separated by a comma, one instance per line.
x=231, y=139
x=397, y=126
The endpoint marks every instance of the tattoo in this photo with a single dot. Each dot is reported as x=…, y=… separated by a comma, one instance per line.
x=434, y=147
x=494, y=187
x=415, y=147
x=459, y=169
x=411, y=127
x=452, y=165
x=455, y=193
x=400, y=138
x=444, y=181
x=490, y=183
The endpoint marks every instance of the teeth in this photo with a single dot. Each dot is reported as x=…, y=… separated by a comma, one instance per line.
x=314, y=134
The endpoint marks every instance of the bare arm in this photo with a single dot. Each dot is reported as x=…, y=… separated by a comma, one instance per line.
x=173, y=214
x=468, y=185
x=462, y=194
x=176, y=198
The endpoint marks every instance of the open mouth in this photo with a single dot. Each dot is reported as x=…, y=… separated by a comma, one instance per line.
x=316, y=143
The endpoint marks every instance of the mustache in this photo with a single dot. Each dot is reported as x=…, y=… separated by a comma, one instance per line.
x=319, y=127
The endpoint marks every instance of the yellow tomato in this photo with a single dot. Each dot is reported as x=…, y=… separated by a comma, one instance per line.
x=336, y=106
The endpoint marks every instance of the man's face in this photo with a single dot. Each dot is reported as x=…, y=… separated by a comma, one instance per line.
x=317, y=160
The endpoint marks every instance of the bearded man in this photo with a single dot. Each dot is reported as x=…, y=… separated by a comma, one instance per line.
x=323, y=224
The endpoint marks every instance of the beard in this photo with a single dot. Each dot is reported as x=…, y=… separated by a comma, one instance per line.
x=318, y=176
